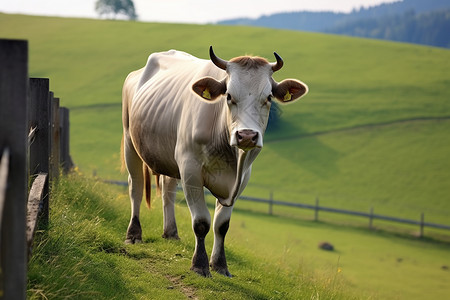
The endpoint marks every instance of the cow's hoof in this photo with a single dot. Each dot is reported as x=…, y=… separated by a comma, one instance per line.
x=201, y=271
x=133, y=241
x=222, y=271
x=170, y=236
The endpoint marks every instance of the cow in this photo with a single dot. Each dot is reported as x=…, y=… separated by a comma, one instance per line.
x=198, y=122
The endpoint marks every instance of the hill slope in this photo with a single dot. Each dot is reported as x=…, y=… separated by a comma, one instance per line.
x=82, y=256
x=372, y=132
x=353, y=82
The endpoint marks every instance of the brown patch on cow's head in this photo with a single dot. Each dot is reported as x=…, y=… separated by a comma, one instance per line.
x=250, y=62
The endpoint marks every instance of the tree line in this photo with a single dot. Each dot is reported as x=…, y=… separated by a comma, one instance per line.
x=414, y=21
x=430, y=28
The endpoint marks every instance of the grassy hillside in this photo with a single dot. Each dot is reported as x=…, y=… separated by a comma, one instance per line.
x=372, y=132
x=82, y=256
x=398, y=168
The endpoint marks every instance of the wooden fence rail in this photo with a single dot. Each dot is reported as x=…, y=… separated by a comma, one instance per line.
x=370, y=215
x=34, y=143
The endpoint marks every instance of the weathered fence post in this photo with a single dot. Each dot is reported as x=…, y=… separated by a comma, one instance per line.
x=54, y=157
x=14, y=136
x=316, y=210
x=40, y=112
x=39, y=118
x=64, y=127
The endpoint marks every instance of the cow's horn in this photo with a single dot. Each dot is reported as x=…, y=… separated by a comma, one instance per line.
x=279, y=64
x=217, y=60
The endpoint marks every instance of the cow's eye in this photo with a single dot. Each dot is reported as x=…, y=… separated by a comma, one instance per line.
x=228, y=97
x=269, y=99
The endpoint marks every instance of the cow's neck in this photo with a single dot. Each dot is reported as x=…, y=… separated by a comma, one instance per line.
x=239, y=160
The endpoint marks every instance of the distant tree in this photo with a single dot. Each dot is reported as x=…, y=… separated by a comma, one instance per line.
x=114, y=8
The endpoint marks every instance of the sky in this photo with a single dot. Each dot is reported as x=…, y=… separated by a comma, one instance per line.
x=185, y=11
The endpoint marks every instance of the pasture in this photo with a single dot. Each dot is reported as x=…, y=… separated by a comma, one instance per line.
x=83, y=257
x=373, y=131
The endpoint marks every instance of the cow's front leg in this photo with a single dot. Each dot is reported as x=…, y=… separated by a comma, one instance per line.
x=192, y=182
x=201, y=222
x=221, y=223
x=200, y=258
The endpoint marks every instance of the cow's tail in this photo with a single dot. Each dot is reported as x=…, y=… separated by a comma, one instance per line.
x=147, y=186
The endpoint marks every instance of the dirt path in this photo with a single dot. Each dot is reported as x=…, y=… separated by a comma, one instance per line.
x=177, y=283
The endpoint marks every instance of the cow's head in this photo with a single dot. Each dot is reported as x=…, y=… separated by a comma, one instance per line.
x=249, y=90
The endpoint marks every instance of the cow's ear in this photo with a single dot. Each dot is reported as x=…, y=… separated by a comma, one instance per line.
x=209, y=88
x=289, y=90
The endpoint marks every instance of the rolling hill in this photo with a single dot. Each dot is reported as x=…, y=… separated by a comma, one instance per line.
x=373, y=131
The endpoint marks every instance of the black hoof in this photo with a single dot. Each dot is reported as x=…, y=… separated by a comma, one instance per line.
x=222, y=271
x=173, y=236
x=129, y=241
x=202, y=271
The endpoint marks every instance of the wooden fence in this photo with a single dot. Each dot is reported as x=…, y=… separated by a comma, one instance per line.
x=370, y=215
x=317, y=208
x=34, y=144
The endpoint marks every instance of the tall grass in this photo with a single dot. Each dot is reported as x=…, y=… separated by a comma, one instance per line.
x=66, y=256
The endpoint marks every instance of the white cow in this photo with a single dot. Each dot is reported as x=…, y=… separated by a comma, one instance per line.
x=202, y=122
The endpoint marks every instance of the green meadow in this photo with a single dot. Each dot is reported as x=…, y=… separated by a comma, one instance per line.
x=372, y=132
x=82, y=256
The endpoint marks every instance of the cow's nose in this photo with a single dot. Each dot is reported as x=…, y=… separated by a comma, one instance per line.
x=246, y=139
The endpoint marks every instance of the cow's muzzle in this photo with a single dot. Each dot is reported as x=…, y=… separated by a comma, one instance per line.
x=247, y=139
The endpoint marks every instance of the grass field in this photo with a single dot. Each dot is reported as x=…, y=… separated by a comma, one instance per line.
x=82, y=256
x=399, y=169
x=353, y=83
x=373, y=132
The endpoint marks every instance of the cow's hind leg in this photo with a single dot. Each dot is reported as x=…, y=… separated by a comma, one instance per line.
x=134, y=166
x=218, y=261
x=169, y=192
